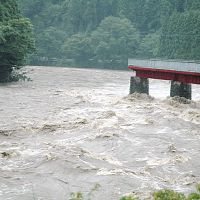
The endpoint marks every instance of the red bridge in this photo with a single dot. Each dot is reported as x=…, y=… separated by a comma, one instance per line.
x=182, y=74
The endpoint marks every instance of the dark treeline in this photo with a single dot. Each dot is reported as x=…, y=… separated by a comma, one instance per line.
x=104, y=33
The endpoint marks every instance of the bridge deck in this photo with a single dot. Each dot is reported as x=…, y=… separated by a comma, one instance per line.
x=185, y=72
x=166, y=65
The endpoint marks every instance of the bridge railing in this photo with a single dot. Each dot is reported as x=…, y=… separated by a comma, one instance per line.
x=175, y=65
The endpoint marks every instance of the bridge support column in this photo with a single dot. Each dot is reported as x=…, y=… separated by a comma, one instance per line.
x=139, y=85
x=181, y=90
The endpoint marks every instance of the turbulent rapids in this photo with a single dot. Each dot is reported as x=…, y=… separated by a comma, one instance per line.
x=70, y=130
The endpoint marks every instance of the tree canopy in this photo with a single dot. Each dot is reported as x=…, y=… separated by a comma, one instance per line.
x=180, y=36
x=114, y=40
x=16, y=39
x=102, y=30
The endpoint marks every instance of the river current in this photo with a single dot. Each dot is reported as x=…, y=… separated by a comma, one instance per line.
x=71, y=130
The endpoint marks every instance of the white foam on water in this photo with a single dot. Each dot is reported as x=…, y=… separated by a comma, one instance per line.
x=81, y=125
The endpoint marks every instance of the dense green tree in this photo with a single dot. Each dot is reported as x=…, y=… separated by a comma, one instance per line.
x=193, y=5
x=79, y=21
x=78, y=47
x=181, y=5
x=86, y=15
x=180, y=36
x=8, y=10
x=49, y=43
x=16, y=39
x=115, y=39
x=149, y=46
x=147, y=15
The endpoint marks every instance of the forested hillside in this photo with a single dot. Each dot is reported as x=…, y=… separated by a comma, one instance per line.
x=104, y=33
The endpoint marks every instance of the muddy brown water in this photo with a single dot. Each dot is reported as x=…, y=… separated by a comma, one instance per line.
x=70, y=130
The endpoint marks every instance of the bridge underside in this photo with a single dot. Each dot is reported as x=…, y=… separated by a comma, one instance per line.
x=180, y=81
x=183, y=77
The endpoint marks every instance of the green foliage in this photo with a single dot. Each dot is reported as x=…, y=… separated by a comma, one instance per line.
x=76, y=196
x=158, y=195
x=115, y=39
x=172, y=195
x=144, y=29
x=193, y=196
x=8, y=10
x=16, y=39
x=149, y=46
x=198, y=187
x=50, y=41
x=129, y=198
x=148, y=15
x=78, y=47
x=168, y=195
x=180, y=36
x=193, y=5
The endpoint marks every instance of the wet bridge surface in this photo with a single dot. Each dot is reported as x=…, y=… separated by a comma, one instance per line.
x=182, y=71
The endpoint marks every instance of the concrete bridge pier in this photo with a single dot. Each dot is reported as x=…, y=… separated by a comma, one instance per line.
x=139, y=85
x=181, y=90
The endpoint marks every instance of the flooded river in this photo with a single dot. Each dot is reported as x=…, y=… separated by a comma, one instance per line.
x=72, y=130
